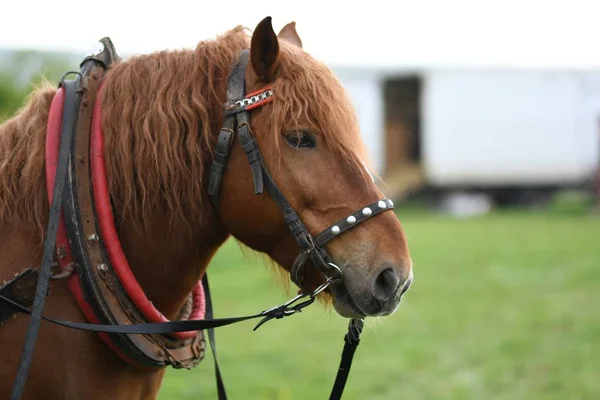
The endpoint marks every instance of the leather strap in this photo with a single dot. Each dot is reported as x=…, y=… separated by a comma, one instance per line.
x=20, y=289
x=251, y=149
x=158, y=327
x=211, y=338
x=68, y=128
x=217, y=169
x=351, y=338
x=351, y=342
x=235, y=89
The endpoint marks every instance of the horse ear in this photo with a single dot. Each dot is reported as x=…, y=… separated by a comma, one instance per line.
x=264, y=51
x=289, y=34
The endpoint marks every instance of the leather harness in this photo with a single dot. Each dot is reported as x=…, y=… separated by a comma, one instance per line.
x=112, y=308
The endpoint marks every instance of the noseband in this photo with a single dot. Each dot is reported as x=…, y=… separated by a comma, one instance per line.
x=237, y=110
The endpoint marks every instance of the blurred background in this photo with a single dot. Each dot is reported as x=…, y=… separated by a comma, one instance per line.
x=482, y=120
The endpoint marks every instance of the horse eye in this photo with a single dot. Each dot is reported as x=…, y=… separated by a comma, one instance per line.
x=301, y=139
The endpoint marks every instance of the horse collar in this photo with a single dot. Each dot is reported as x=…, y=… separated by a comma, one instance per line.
x=104, y=286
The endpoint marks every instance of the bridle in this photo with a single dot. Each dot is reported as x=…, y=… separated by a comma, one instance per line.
x=237, y=110
x=237, y=121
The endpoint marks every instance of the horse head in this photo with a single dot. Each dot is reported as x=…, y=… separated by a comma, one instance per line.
x=309, y=138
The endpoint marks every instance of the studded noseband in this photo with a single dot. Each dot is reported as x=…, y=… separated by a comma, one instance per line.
x=237, y=111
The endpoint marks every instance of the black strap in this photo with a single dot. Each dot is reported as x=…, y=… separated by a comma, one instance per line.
x=352, y=340
x=211, y=338
x=68, y=127
x=250, y=147
x=236, y=88
x=155, y=327
x=219, y=164
x=293, y=306
x=13, y=289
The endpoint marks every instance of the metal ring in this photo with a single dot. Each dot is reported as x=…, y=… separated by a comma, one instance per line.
x=341, y=274
x=67, y=74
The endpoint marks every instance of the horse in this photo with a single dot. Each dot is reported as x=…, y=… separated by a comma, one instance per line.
x=161, y=115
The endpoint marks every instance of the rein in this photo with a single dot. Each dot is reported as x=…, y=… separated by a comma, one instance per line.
x=237, y=122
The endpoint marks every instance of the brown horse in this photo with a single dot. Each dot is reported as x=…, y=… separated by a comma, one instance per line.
x=161, y=115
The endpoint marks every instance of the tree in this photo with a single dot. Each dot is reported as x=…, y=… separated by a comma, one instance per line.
x=11, y=96
x=21, y=70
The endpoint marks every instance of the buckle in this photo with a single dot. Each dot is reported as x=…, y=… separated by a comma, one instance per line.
x=296, y=304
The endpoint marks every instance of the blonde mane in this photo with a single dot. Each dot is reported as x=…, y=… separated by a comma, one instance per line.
x=160, y=114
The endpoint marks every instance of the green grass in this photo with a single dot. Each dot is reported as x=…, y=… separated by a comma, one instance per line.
x=502, y=307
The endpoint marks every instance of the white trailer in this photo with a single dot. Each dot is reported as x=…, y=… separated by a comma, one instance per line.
x=478, y=128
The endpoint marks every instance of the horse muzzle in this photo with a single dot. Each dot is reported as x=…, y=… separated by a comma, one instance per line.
x=379, y=295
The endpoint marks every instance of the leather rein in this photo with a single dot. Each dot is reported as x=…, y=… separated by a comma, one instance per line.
x=173, y=351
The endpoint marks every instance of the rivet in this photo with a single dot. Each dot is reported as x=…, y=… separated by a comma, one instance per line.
x=335, y=229
x=351, y=219
x=61, y=252
x=381, y=204
x=102, y=267
x=93, y=237
x=367, y=211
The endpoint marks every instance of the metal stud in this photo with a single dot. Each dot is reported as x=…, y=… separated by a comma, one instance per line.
x=391, y=203
x=102, y=267
x=381, y=204
x=351, y=219
x=93, y=237
x=367, y=211
x=61, y=252
x=335, y=229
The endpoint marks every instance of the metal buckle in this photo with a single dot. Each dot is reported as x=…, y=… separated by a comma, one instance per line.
x=338, y=273
x=290, y=308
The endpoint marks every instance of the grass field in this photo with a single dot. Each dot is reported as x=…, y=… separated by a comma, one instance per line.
x=503, y=307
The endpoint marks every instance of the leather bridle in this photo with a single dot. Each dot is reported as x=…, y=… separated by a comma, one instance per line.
x=237, y=110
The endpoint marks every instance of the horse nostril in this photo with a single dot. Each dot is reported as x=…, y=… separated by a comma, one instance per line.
x=386, y=284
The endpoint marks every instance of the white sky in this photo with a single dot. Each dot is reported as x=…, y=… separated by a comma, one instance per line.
x=527, y=33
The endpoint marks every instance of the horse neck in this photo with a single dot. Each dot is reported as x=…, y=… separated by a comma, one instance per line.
x=166, y=257
x=168, y=262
